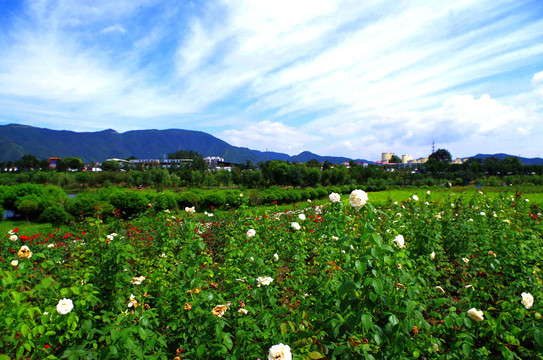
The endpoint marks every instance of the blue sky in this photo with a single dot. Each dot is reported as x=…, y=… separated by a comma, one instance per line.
x=346, y=78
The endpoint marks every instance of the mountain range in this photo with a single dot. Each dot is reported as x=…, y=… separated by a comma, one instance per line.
x=17, y=140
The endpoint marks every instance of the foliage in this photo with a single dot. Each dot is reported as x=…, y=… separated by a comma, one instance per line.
x=340, y=284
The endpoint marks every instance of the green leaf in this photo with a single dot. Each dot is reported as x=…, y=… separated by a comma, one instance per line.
x=284, y=329
x=360, y=267
x=4, y=357
x=367, y=323
x=228, y=341
x=201, y=350
x=142, y=333
x=315, y=355
x=538, y=336
x=24, y=330
x=377, y=286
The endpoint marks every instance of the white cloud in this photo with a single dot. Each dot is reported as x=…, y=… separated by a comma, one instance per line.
x=274, y=136
x=114, y=28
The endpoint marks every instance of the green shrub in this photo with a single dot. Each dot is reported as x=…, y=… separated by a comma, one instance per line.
x=55, y=215
x=130, y=203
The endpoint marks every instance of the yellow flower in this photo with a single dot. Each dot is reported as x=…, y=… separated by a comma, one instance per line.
x=188, y=306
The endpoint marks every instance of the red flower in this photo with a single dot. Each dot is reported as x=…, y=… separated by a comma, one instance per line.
x=47, y=346
x=15, y=230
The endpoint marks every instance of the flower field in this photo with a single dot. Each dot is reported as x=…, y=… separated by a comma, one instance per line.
x=418, y=278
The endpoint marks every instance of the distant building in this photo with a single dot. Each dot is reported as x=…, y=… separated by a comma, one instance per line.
x=459, y=161
x=406, y=159
x=53, y=162
x=212, y=161
x=418, y=161
x=385, y=157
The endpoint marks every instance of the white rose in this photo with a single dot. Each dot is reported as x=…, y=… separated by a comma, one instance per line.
x=14, y=262
x=400, y=241
x=334, y=197
x=275, y=257
x=433, y=255
x=295, y=226
x=64, y=306
x=475, y=314
x=190, y=210
x=264, y=280
x=242, y=311
x=251, y=232
x=527, y=300
x=358, y=199
x=301, y=217
x=466, y=260
x=280, y=352
x=13, y=237
x=415, y=197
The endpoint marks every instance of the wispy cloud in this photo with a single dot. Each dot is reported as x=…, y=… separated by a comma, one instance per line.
x=353, y=78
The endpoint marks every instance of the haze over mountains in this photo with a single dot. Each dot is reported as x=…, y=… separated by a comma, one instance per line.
x=17, y=140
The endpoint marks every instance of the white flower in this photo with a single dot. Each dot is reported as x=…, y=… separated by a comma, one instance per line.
x=428, y=192
x=24, y=252
x=64, y=306
x=111, y=236
x=167, y=211
x=466, y=260
x=13, y=237
x=138, y=280
x=334, y=197
x=243, y=311
x=295, y=225
x=263, y=280
x=252, y=258
x=219, y=310
x=190, y=210
x=475, y=314
x=483, y=213
x=415, y=197
x=335, y=238
x=399, y=240
x=470, y=219
x=275, y=257
x=51, y=245
x=435, y=347
x=527, y=300
x=358, y=199
x=133, y=301
x=280, y=352
x=527, y=200
x=468, y=286
x=301, y=217
x=251, y=232
x=241, y=195
x=163, y=255
x=441, y=289
x=433, y=255
x=14, y=262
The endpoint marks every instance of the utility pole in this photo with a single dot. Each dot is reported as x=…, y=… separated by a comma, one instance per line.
x=433, y=147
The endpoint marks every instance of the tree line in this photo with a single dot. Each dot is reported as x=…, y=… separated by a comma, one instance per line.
x=437, y=171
